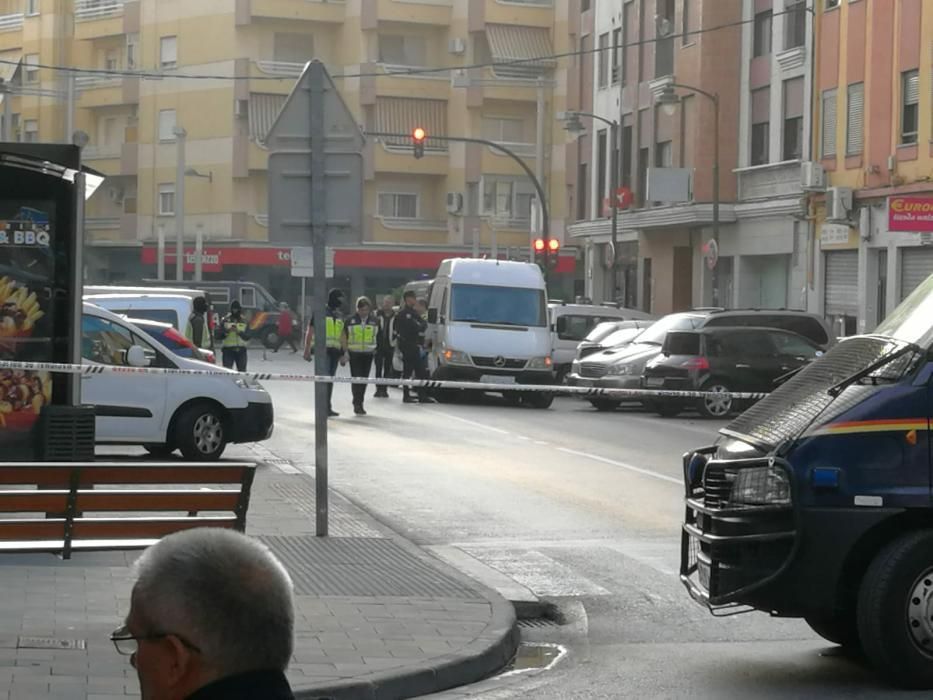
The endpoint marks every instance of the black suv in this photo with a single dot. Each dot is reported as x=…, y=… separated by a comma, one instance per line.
x=723, y=360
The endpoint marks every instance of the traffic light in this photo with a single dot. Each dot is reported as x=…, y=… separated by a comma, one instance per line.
x=418, y=136
x=540, y=251
x=553, y=252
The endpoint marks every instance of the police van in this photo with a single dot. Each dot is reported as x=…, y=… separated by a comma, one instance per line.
x=817, y=502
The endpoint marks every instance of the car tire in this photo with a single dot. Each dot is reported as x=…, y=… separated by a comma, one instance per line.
x=605, y=405
x=512, y=398
x=201, y=433
x=539, y=399
x=159, y=451
x=716, y=407
x=839, y=628
x=446, y=395
x=894, y=602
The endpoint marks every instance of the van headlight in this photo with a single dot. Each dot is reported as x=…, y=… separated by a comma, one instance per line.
x=249, y=383
x=761, y=486
x=540, y=362
x=455, y=357
x=620, y=369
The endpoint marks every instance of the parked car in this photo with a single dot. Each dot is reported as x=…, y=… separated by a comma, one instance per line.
x=610, y=334
x=174, y=309
x=570, y=324
x=622, y=368
x=198, y=415
x=166, y=334
x=724, y=360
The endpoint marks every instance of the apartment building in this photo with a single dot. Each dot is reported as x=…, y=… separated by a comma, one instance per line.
x=874, y=119
x=690, y=43
x=218, y=71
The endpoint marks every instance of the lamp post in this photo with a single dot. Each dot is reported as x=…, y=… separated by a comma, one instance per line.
x=180, y=136
x=669, y=100
x=573, y=125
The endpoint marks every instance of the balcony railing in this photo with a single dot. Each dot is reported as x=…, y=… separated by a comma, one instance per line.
x=102, y=223
x=87, y=10
x=262, y=220
x=770, y=180
x=520, y=149
x=536, y=3
x=280, y=68
x=100, y=152
x=504, y=223
x=403, y=71
x=10, y=23
x=91, y=82
x=402, y=222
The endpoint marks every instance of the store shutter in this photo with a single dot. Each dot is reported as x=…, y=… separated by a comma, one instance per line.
x=916, y=266
x=841, y=283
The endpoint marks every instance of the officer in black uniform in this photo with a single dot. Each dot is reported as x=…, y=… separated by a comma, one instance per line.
x=410, y=328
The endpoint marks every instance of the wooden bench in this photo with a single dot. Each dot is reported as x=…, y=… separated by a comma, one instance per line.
x=63, y=507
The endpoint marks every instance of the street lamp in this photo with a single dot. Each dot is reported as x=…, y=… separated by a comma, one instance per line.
x=668, y=101
x=574, y=125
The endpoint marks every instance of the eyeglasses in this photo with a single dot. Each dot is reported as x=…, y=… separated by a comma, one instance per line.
x=127, y=644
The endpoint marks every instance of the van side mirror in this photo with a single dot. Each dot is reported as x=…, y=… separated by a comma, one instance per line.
x=432, y=315
x=136, y=357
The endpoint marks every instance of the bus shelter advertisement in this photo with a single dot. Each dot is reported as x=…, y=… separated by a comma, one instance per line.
x=27, y=267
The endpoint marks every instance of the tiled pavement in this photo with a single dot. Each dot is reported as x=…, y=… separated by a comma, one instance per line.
x=376, y=616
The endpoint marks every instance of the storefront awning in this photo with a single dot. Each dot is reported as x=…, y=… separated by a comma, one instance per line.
x=400, y=115
x=263, y=110
x=529, y=45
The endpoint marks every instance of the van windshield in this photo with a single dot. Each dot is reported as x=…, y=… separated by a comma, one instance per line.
x=656, y=333
x=912, y=321
x=510, y=306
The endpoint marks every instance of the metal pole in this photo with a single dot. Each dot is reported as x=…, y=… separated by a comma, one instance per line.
x=160, y=252
x=475, y=242
x=198, y=253
x=303, y=306
x=613, y=186
x=715, y=276
x=539, y=155
x=319, y=244
x=77, y=260
x=494, y=239
x=7, y=134
x=180, y=135
x=70, y=107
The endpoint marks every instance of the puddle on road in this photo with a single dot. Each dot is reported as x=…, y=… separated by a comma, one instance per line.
x=534, y=656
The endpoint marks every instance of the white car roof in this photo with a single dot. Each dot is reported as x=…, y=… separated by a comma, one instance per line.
x=139, y=297
x=503, y=273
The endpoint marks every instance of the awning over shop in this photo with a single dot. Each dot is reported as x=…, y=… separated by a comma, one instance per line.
x=263, y=110
x=508, y=42
x=400, y=115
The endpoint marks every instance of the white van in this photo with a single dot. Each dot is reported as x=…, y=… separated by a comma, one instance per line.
x=570, y=324
x=198, y=415
x=152, y=306
x=487, y=322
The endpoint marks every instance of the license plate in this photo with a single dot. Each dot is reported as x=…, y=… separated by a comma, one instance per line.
x=493, y=379
x=654, y=381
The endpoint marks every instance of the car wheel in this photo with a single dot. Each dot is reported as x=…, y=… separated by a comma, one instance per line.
x=270, y=338
x=200, y=433
x=720, y=404
x=539, y=399
x=605, y=404
x=839, y=628
x=895, y=611
x=446, y=395
x=512, y=398
x=159, y=451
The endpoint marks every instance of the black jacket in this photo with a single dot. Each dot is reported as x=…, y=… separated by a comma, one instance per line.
x=386, y=337
x=410, y=327
x=255, y=685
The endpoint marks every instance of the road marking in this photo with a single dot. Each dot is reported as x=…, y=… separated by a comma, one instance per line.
x=468, y=422
x=621, y=465
x=537, y=572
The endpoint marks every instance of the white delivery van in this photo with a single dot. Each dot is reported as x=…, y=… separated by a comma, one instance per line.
x=570, y=324
x=198, y=415
x=152, y=306
x=487, y=322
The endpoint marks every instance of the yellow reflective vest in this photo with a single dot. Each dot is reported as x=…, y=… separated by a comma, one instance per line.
x=334, y=332
x=361, y=334
x=233, y=333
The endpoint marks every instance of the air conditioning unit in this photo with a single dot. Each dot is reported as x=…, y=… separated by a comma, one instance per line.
x=838, y=203
x=456, y=46
x=812, y=176
x=241, y=109
x=454, y=202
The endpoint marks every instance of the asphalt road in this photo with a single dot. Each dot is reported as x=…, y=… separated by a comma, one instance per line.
x=578, y=507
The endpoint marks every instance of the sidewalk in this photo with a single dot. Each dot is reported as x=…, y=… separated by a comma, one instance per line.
x=376, y=616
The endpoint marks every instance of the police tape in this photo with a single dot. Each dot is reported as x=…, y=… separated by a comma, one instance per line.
x=586, y=392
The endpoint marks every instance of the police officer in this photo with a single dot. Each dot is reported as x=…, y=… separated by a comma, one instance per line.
x=233, y=332
x=198, y=330
x=410, y=328
x=360, y=333
x=385, y=344
x=336, y=343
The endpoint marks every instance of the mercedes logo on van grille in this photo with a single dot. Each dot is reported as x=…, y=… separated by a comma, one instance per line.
x=499, y=361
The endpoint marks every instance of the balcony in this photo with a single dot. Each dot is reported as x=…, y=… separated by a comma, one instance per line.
x=770, y=181
x=104, y=152
x=402, y=222
x=487, y=84
x=394, y=230
x=107, y=91
x=102, y=223
x=248, y=11
x=11, y=36
x=99, y=18
x=12, y=23
x=399, y=83
x=399, y=159
x=528, y=13
x=431, y=12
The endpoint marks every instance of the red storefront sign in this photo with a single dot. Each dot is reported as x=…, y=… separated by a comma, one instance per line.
x=215, y=259
x=910, y=214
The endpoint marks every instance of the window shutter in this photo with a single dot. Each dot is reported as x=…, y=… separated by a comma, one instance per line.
x=855, y=119
x=829, y=124
x=912, y=88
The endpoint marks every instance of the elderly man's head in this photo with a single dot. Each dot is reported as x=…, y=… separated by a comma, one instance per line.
x=207, y=604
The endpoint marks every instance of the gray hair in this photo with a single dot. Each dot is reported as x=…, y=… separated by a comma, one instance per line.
x=221, y=591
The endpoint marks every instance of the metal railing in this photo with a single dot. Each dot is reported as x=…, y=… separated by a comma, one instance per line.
x=87, y=10
x=99, y=223
x=109, y=150
x=280, y=68
x=402, y=222
x=536, y=3
x=404, y=71
x=521, y=148
x=9, y=23
x=90, y=82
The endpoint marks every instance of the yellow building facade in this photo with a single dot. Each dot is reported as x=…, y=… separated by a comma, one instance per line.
x=221, y=69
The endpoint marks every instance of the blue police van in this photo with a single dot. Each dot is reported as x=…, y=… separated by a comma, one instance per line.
x=817, y=502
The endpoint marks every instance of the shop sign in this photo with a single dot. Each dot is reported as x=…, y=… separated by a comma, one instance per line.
x=834, y=234
x=910, y=214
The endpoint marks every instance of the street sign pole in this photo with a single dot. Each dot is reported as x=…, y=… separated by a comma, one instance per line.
x=319, y=243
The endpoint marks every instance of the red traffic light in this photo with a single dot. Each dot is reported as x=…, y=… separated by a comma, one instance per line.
x=418, y=134
x=553, y=245
x=539, y=245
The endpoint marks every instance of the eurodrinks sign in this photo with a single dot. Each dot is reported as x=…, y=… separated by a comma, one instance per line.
x=910, y=214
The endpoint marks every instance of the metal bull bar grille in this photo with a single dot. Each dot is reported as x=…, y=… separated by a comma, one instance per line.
x=739, y=531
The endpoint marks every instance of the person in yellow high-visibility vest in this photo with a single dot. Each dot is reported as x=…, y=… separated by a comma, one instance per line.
x=336, y=343
x=360, y=335
x=233, y=332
